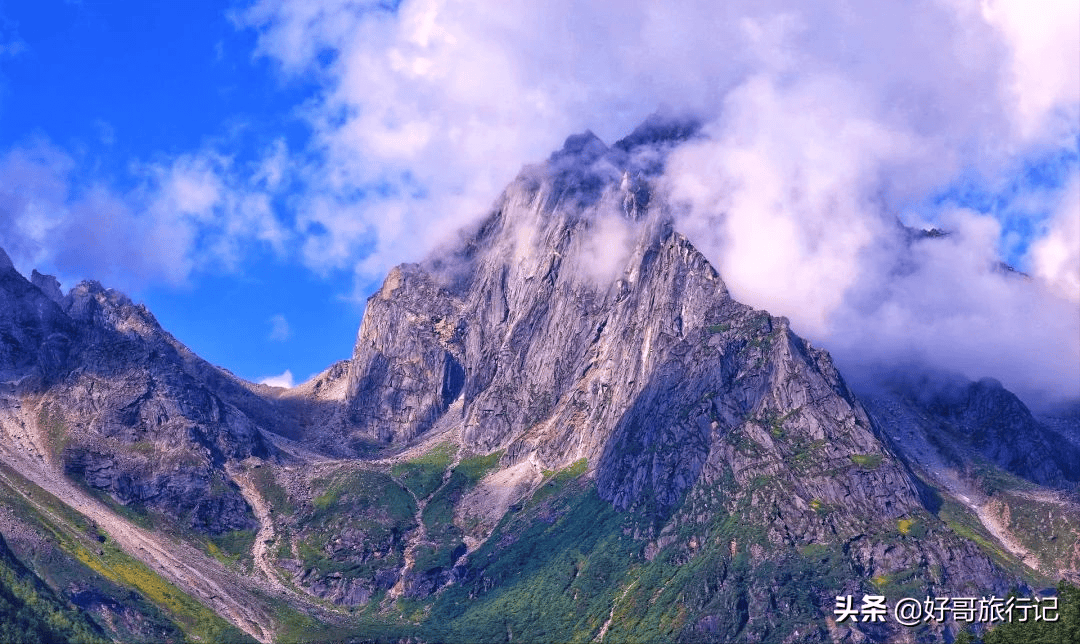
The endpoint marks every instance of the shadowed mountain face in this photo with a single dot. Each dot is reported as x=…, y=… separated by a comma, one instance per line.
x=558, y=427
x=128, y=410
x=985, y=420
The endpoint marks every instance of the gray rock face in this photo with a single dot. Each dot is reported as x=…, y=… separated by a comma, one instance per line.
x=128, y=410
x=983, y=419
x=575, y=323
x=998, y=425
x=572, y=324
x=48, y=285
x=406, y=368
x=35, y=333
x=513, y=318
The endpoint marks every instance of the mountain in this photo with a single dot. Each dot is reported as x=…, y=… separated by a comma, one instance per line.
x=126, y=409
x=557, y=427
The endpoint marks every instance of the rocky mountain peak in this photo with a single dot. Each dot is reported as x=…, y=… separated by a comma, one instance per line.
x=582, y=148
x=571, y=377
x=92, y=303
x=36, y=331
x=48, y=285
x=140, y=416
x=660, y=129
x=587, y=327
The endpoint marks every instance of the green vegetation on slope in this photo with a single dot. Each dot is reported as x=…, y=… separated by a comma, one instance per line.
x=1066, y=630
x=566, y=564
x=265, y=482
x=438, y=515
x=55, y=429
x=80, y=540
x=30, y=612
x=355, y=525
x=424, y=474
x=965, y=524
x=551, y=583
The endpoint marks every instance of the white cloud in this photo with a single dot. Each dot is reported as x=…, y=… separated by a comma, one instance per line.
x=429, y=111
x=947, y=303
x=281, y=380
x=279, y=328
x=825, y=121
x=783, y=194
x=603, y=251
x=1057, y=254
x=1044, y=43
x=193, y=212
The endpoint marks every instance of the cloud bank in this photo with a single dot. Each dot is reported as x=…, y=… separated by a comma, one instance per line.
x=192, y=212
x=825, y=123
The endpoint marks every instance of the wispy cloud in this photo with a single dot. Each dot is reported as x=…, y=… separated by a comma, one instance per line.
x=279, y=328
x=282, y=380
x=824, y=121
x=193, y=212
x=1056, y=255
x=11, y=44
x=428, y=109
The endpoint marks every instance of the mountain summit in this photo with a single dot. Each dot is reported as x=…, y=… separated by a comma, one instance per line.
x=558, y=427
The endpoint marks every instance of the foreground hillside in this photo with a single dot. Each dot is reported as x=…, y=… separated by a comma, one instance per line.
x=559, y=428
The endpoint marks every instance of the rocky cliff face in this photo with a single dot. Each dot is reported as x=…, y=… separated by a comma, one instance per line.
x=575, y=323
x=981, y=421
x=991, y=421
x=559, y=426
x=120, y=404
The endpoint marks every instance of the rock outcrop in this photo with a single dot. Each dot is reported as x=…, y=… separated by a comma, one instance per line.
x=983, y=420
x=121, y=405
x=574, y=322
x=577, y=359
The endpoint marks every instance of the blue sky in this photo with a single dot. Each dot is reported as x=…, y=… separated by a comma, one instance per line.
x=115, y=83
x=250, y=169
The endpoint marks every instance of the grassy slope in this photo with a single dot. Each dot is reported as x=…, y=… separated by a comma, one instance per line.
x=566, y=562
x=31, y=612
x=87, y=552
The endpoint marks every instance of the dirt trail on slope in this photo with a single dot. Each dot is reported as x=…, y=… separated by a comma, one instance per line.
x=419, y=535
x=417, y=538
x=267, y=537
x=611, y=616
x=267, y=534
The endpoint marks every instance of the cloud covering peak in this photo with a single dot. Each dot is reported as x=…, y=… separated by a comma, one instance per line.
x=824, y=122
